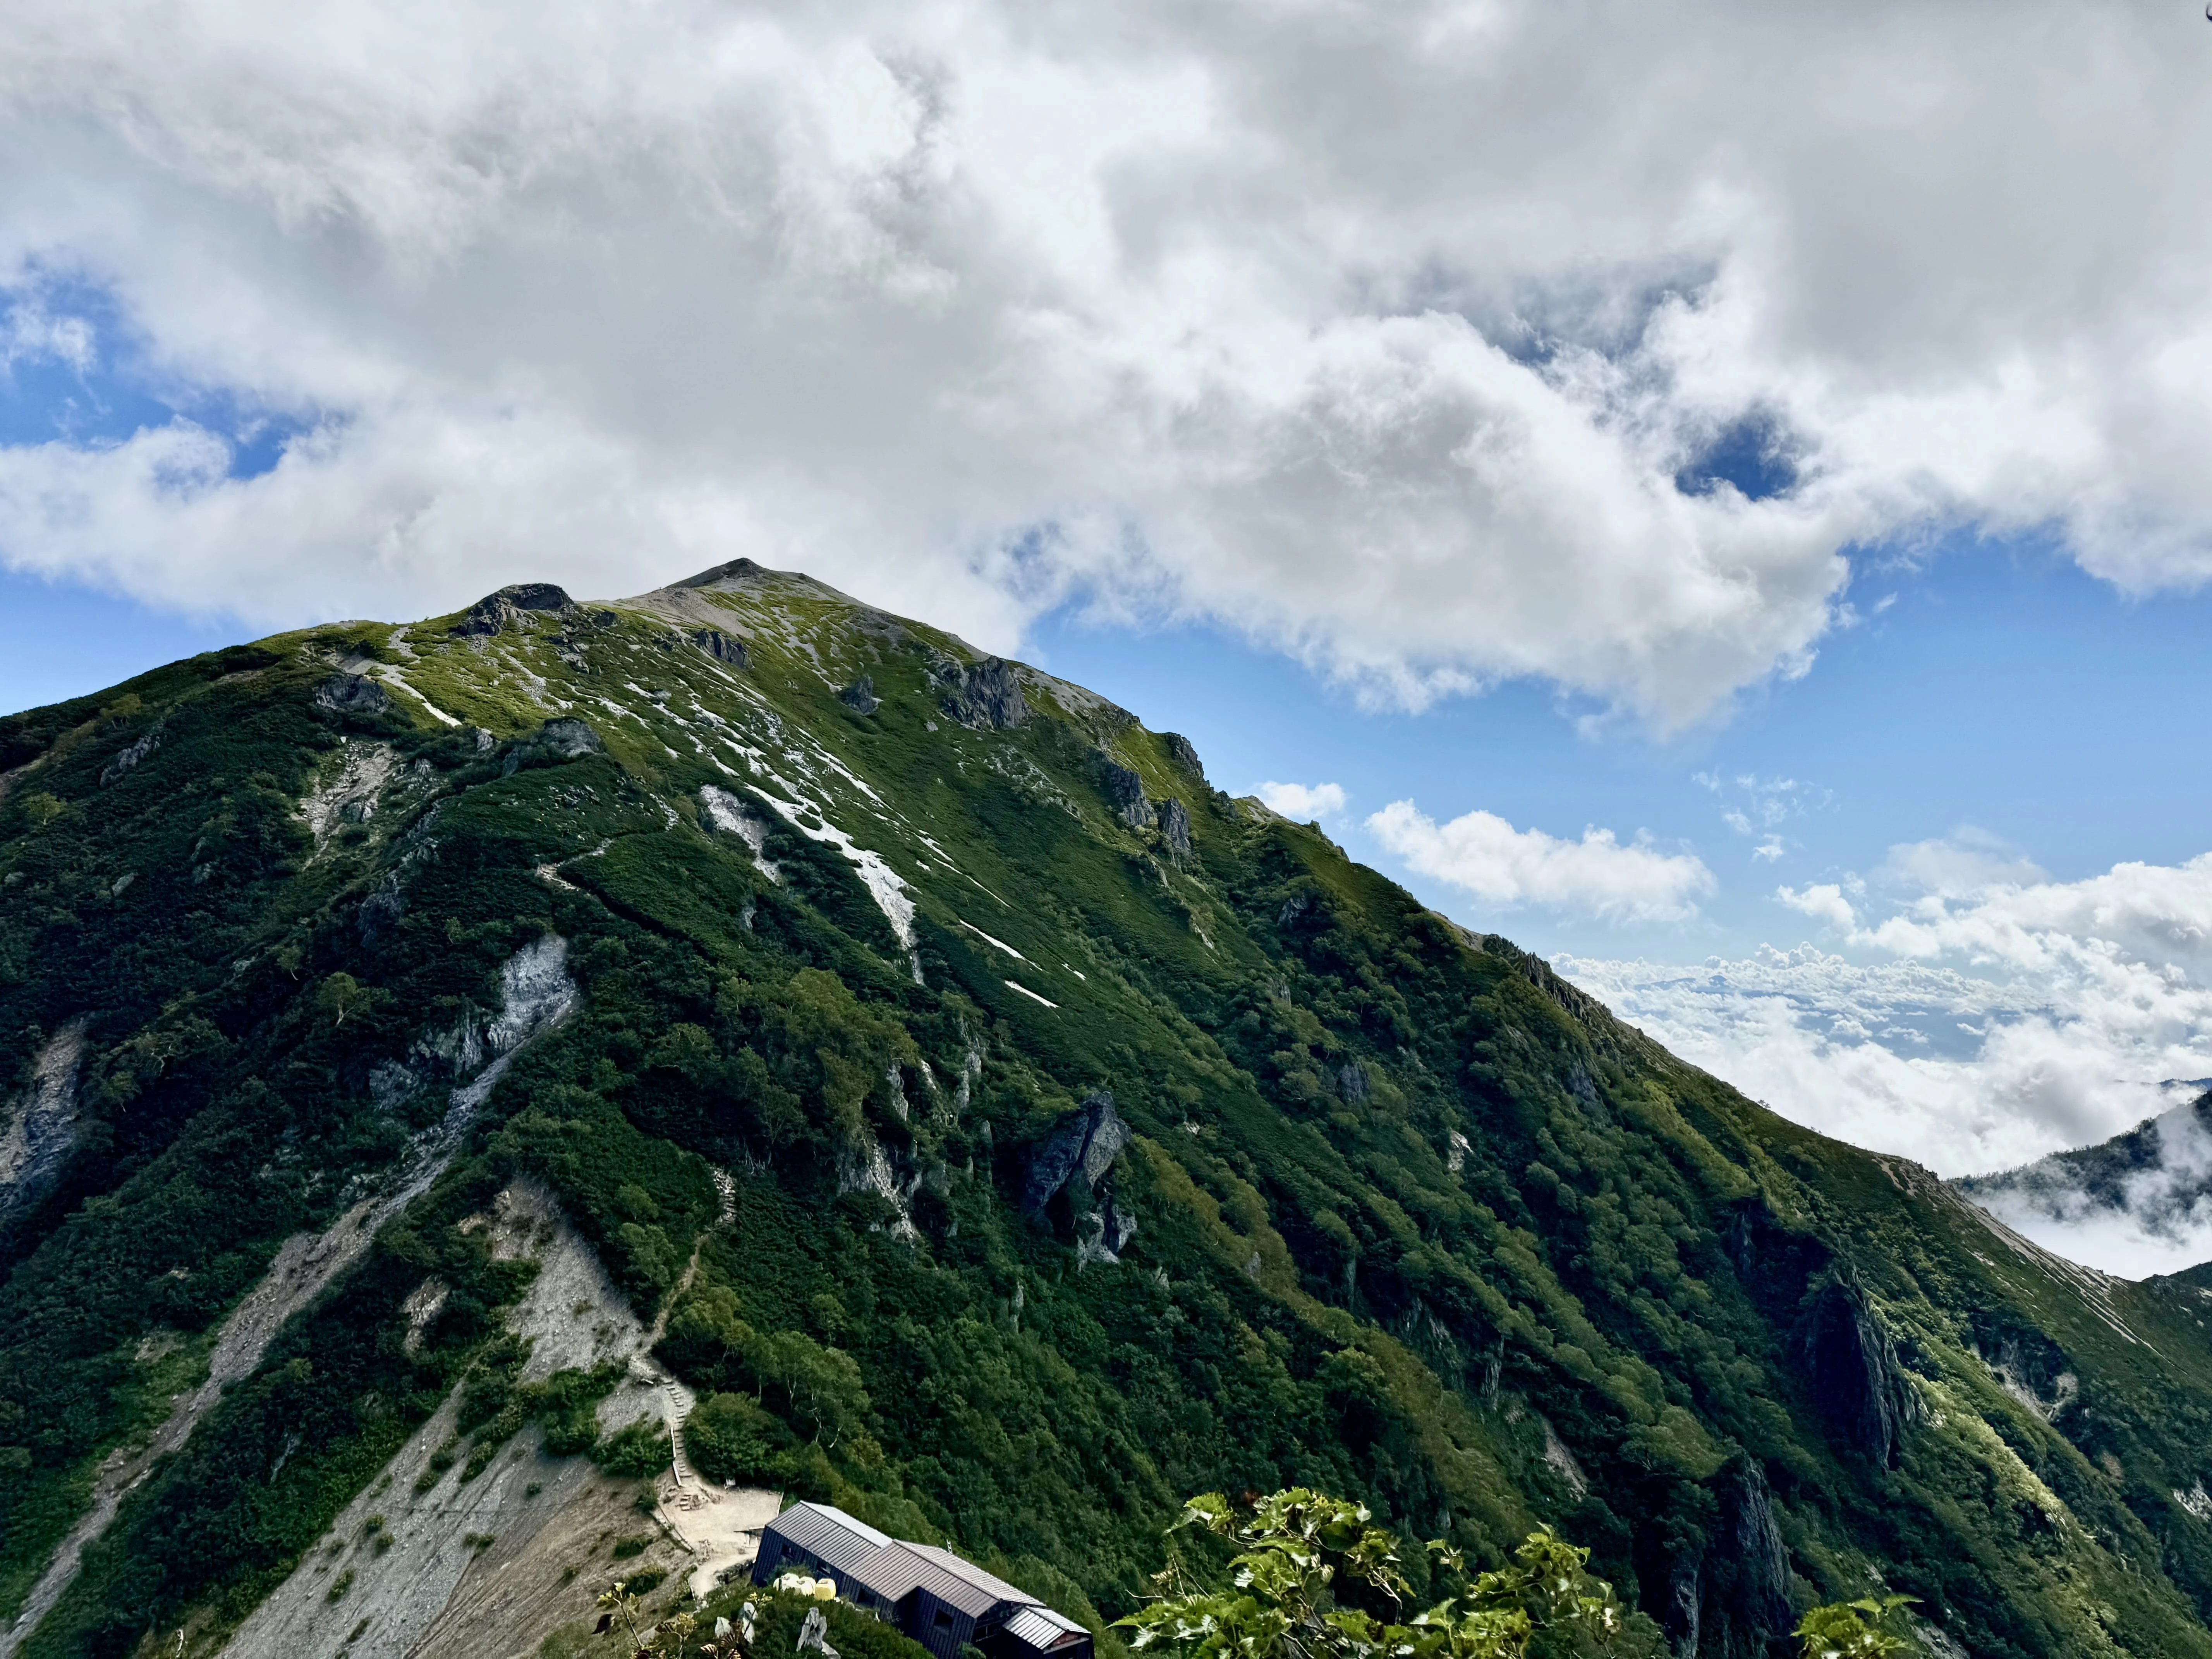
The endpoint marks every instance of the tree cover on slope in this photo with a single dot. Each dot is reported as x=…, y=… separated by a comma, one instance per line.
x=1416, y=1221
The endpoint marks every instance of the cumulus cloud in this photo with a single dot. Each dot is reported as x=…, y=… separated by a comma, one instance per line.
x=1597, y=876
x=1304, y=802
x=1431, y=344
x=2000, y=1019
x=1824, y=902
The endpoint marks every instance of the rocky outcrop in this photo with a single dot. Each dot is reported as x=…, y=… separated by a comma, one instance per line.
x=564, y=737
x=1682, y=1617
x=1076, y=1156
x=492, y=613
x=983, y=695
x=40, y=1125
x=722, y=648
x=861, y=696
x=1853, y=1368
x=1183, y=754
x=735, y=570
x=1175, y=827
x=352, y=694
x=1125, y=790
x=131, y=756
x=1753, y=1582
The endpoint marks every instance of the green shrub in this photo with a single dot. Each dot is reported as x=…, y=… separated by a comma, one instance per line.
x=731, y=1439
x=635, y=1452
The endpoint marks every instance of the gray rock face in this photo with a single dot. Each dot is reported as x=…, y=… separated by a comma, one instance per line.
x=984, y=696
x=1080, y=1150
x=129, y=757
x=564, y=737
x=38, y=1129
x=1761, y=1564
x=1126, y=790
x=722, y=648
x=1856, y=1376
x=1682, y=1621
x=861, y=696
x=1179, y=748
x=352, y=694
x=1175, y=827
x=1351, y=1082
x=493, y=612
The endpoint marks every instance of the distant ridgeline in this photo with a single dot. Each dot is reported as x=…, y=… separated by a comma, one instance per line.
x=2156, y=1177
x=440, y=1062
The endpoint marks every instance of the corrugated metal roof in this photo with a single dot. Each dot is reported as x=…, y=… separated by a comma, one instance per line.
x=901, y=1568
x=830, y=1535
x=1040, y=1627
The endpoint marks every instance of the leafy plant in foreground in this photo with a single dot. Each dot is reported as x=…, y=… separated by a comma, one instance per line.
x=1850, y=1629
x=1304, y=1558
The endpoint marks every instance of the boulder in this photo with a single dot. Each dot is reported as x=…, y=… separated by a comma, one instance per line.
x=861, y=696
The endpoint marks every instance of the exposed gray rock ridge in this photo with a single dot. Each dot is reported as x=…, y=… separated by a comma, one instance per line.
x=492, y=613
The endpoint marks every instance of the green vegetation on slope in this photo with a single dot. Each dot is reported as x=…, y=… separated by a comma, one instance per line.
x=1399, y=1214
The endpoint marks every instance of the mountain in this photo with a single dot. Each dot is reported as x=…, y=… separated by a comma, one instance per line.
x=2149, y=1188
x=439, y=1058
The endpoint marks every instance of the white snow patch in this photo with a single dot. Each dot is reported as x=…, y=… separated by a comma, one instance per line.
x=997, y=943
x=731, y=816
x=393, y=676
x=884, y=885
x=1030, y=994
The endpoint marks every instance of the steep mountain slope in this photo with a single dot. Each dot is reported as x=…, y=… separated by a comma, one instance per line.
x=995, y=1129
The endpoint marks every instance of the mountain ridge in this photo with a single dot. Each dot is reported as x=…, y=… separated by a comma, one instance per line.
x=862, y=935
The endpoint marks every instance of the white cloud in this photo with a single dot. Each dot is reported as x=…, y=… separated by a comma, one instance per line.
x=1304, y=802
x=1966, y=861
x=2011, y=1018
x=1596, y=875
x=1823, y=902
x=1379, y=334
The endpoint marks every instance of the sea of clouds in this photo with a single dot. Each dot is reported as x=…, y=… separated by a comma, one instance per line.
x=1989, y=1019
